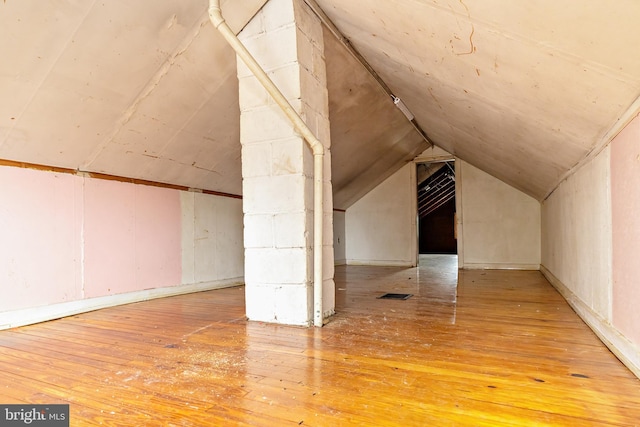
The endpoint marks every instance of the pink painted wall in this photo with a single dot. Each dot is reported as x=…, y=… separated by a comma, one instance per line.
x=132, y=237
x=40, y=237
x=66, y=238
x=625, y=200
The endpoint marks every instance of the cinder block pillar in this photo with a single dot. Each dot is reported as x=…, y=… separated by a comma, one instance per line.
x=285, y=37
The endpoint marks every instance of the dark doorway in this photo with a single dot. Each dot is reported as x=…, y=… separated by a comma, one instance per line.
x=436, y=208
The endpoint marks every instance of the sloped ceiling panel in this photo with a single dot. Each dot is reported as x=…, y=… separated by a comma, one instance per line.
x=184, y=123
x=370, y=137
x=147, y=89
x=101, y=57
x=522, y=90
x=142, y=89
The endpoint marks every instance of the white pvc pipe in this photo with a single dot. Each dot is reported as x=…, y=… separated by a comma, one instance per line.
x=215, y=14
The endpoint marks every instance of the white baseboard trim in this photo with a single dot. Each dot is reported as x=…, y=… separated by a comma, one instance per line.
x=28, y=316
x=625, y=350
x=340, y=262
x=380, y=263
x=499, y=266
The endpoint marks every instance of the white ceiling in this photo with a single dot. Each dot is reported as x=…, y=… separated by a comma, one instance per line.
x=523, y=90
x=147, y=88
x=140, y=89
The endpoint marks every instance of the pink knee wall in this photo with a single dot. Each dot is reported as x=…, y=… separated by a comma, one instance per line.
x=132, y=237
x=65, y=237
x=625, y=202
x=40, y=238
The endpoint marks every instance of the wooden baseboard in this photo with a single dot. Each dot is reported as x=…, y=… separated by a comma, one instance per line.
x=625, y=350
x=28, y=316
x=499, y=266
x=381, y=263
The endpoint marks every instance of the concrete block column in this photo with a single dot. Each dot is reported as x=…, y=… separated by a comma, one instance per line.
x=285, y=37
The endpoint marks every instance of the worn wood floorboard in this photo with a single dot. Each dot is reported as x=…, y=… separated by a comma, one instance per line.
x=500, y=348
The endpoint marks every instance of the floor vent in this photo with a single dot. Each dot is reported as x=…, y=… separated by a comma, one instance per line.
x=395, y=296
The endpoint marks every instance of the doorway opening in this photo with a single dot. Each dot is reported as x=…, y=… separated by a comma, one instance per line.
x=436, y=208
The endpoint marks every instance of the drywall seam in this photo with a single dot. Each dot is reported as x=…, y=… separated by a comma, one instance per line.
x=83, y=281
x=28, y=316
x=625, y=350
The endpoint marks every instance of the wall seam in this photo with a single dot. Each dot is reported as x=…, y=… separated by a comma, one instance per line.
x=82, y=239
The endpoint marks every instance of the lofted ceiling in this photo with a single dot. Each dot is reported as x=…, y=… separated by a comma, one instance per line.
x=147, y=89
x=139, y=89
x=523, y=90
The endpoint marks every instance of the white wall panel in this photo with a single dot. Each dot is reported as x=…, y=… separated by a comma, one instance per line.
x=339, y=238
x=381, y=226
x=576, y=222
x=501, y=225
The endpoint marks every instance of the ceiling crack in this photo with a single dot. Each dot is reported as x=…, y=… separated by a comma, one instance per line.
x=472, y=47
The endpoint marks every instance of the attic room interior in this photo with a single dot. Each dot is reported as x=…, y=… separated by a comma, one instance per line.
x=188, y=237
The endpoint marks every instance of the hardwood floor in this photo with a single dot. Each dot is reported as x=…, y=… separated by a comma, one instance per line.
x=506, y=350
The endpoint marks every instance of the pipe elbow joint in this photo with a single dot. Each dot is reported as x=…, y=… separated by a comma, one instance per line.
x=215, y=13
x=318, y=150
x=216, y=17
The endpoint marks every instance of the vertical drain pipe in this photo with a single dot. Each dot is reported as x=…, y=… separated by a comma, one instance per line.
x=215, y=14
